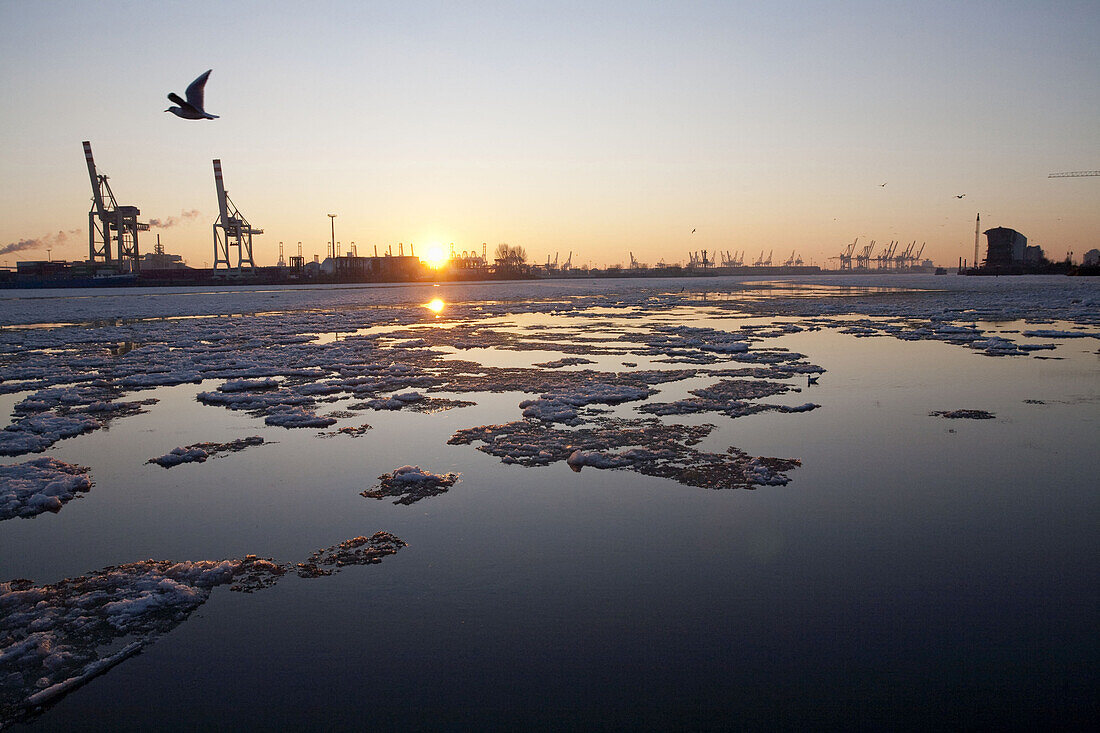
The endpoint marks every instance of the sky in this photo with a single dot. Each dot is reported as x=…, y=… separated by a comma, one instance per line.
x=597, y=128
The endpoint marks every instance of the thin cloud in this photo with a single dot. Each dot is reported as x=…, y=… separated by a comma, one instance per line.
x=171, y=221
x=49, y=241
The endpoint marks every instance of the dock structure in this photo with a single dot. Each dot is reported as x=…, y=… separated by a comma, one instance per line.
x=112, y=229
x=236, y=232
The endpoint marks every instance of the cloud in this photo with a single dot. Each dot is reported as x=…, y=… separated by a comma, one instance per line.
x=171, y=221
x=49, y=241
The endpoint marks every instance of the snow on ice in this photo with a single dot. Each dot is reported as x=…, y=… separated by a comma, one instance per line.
x=42, y=485
x=410, y=484
x=56, y=637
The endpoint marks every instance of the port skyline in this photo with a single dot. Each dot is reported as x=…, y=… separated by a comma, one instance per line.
x=599, y=131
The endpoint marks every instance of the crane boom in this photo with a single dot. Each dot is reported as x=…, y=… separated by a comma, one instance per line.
x=220, y=187
x=96, y=194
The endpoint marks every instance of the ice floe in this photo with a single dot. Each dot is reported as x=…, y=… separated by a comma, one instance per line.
x=56, y=637
x=563, y=406
x=42, y=485
x=566, y=361
x=728, y=397
x=295, y=417
x=648, y=446
x=963, y=414
x=36, y=433
x=200, y=452
x=244, y=385
x=410, y=484
x=356, y=551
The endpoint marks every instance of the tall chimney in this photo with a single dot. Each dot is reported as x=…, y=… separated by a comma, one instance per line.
x=977, y=226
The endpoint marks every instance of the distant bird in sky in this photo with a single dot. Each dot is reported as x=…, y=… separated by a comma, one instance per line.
x=960, y=195
x=693, y=231
x=882, y=185
x=192, y=107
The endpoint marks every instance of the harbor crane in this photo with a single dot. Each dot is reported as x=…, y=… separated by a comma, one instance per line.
x=863, y=259
x=845, y=256
x=886, y=256
x=108, y=222
x=733, y=260
x=697, y=260
x=236, y=231
x=902, y=260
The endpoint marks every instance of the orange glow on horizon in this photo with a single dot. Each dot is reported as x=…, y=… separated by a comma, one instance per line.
x=436, y=257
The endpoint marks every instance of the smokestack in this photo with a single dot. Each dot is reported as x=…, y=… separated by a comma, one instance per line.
x=977, y=226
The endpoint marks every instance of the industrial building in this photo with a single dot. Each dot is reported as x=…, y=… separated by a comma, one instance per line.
x=1007, y=249
x=351, y=267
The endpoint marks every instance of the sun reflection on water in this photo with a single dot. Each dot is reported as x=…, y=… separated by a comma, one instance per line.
x=435, y=305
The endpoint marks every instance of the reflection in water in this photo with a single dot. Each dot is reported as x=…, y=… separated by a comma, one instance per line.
x=435, y=305
x=122, y=348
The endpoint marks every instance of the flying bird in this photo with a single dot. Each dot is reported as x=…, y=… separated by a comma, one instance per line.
x=882, y=185
x=960, y=195
x=192, y=107
x=693, y=231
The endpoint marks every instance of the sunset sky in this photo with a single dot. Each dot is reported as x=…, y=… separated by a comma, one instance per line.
x=596, y=127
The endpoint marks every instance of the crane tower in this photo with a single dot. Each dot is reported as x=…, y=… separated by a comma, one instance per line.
x=236, y=231
x=108, y=222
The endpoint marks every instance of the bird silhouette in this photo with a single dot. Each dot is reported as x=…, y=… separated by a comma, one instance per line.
x=960, y=195
x=882, y=185
x=693, y=231
x=192, y=107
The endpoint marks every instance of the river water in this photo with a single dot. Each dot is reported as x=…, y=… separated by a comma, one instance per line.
x=913, y=570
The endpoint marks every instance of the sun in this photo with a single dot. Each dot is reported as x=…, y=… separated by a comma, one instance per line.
x=436, y=257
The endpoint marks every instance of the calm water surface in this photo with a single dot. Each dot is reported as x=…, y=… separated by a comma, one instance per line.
x=916, y=570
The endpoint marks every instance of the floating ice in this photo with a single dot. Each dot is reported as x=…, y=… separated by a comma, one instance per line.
x=254, y=401
x=1051, y=333
x=563, y=406
x=36, y=433
x=667, y=452
x=42, y=485
x=199, y=452
x=728, y=397
x=356, y=551
x=351, y=431
x=963, y=414
x=54, y=638
x=410, y=484
x=244, y=385
x=298, y=418
x=567, y=361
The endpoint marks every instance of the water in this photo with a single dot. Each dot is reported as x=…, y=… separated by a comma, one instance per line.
x=915, y=571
